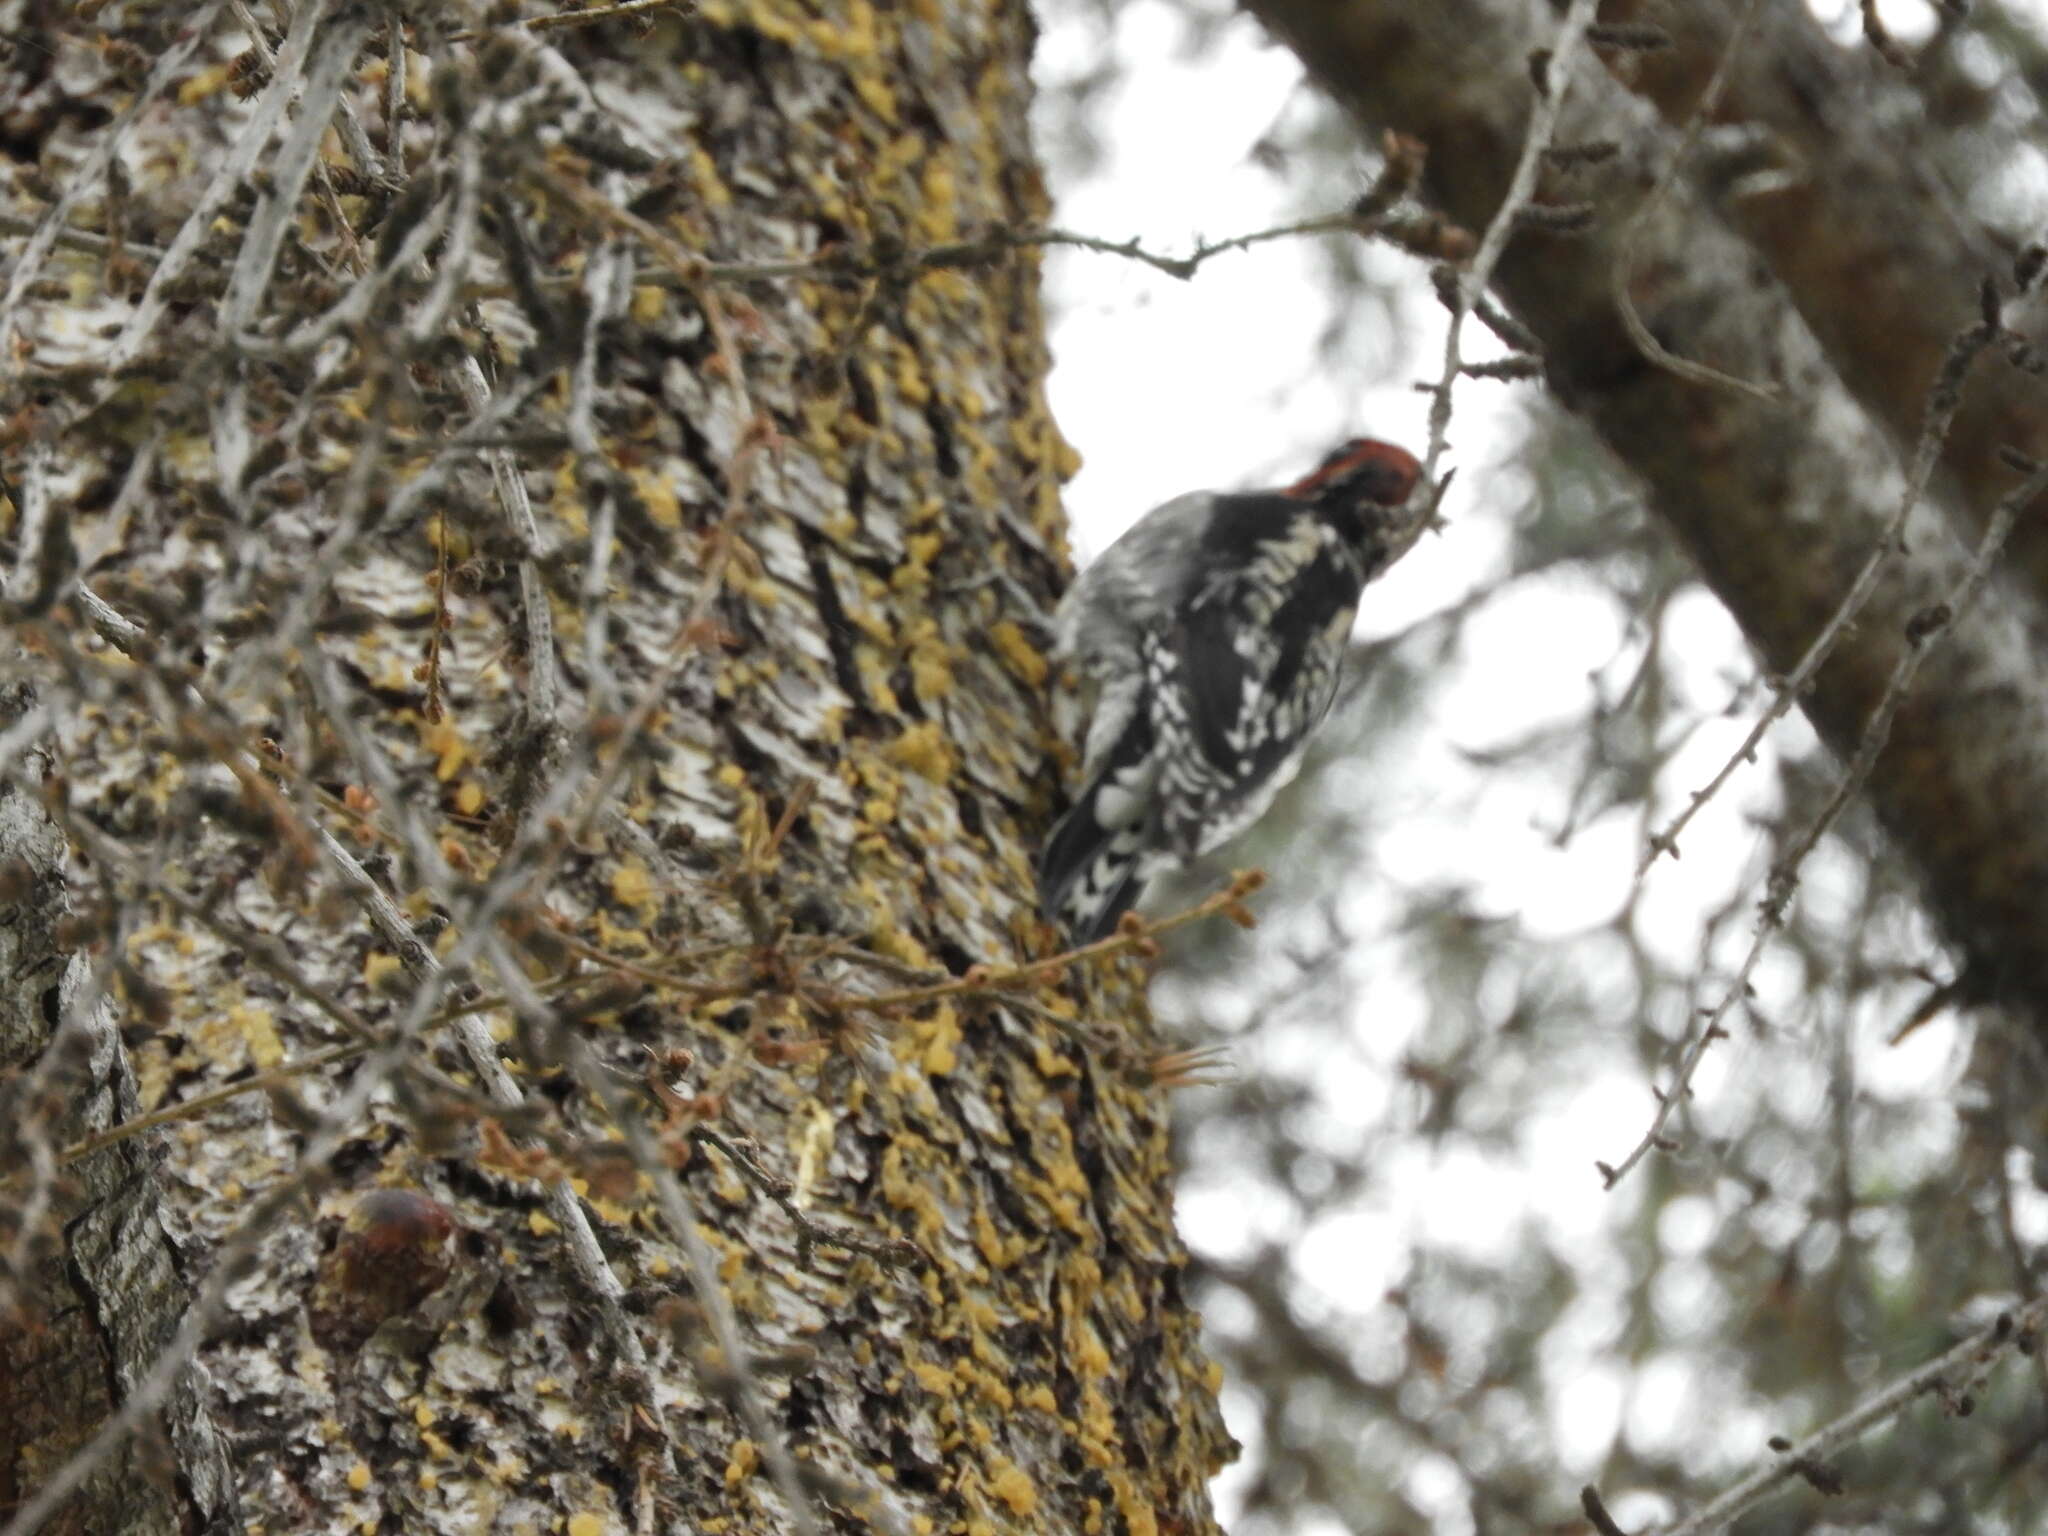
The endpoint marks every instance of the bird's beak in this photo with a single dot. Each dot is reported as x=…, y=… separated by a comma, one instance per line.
x=1418, y=515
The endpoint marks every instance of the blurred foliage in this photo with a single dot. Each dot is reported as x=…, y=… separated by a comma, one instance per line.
x=1431, y=1314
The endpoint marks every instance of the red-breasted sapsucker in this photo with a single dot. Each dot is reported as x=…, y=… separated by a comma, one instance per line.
x=1210, y=639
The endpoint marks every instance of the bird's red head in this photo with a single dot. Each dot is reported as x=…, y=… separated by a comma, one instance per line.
x=1363, y=469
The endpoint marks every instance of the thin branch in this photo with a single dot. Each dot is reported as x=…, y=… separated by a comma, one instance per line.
x=429, y=319
x=679, y=1212
x=1134, y=935
x=395, y=104
x=1625, y=260
x=353, y=135
x=1944, y=397
x=1950, y=1376
x=521, y=865
x=590, y=18
x=1880, y=38
x=2004, y=1094
x=542, y=685
x=277, y=208
x=1553, y=79
x=78, y=239
x=235, y=167
x=892, y=1252
x=1596, y=1511
x=200, y=1103
x=690, y=269
x=1923, y=636
x=1182, y=267
x=607, y=281
x=85, y=179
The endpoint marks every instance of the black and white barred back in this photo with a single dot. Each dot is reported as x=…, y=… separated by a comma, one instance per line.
x=1212, y=637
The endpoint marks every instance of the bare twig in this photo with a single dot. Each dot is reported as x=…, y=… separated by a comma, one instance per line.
x=509, y=881
x=589, y=18
x=354, y=137
x=395, y=107
x=1880, y=37
x=679, y=1212
x=86, y=179
x=848, y=263
x=2007, y=1095
x=1625, y=259
x=607, y=281
x=1951, y=1376
x=250, y=144
x=1596, y=1511
x=1944, y=397
x=1134, y=935
x=1923, y=636
x=542, y=686
x=332, y=56
x=77, y=239
x=1553, y=80
x=894, y=1252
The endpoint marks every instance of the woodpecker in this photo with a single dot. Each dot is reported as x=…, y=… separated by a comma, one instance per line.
x=1209, y=640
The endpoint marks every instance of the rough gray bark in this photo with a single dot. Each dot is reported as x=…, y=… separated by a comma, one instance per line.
x=1779, y=504
x=535, y=609
x=83, y=1320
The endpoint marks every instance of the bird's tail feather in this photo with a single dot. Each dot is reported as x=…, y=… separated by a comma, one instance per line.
x=1088, y=876
x=1093, y=868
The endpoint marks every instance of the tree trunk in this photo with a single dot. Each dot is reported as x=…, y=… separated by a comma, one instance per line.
x=527, y=572
x=1845, y=314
